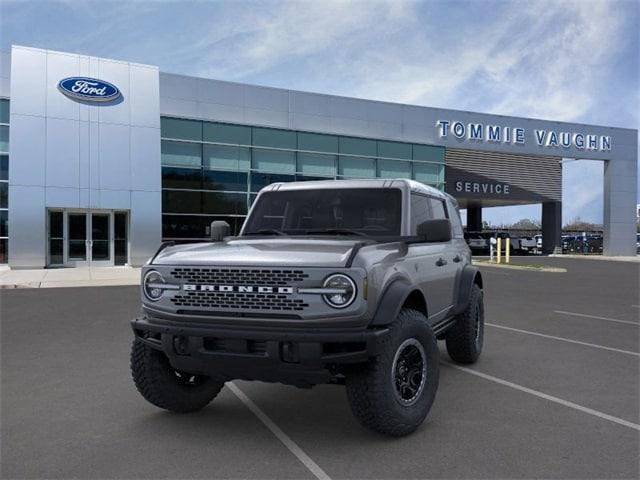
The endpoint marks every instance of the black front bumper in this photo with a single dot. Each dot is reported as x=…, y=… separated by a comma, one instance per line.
x=302, y=358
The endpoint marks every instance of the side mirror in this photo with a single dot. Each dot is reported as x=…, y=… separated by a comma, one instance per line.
x=219, y=230
x=435, y=230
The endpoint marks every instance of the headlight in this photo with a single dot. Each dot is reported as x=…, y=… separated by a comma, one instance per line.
x=343, y=290
x=153, y=285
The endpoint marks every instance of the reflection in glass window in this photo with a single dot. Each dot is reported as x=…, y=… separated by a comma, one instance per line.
x=274, y=161
x=181, y=154
x=4, y=111
x=4, y=167
x=394, y=169
x=394, y=150
x=4, y=229
x=4, y=195
x=261, y=180
x=316, y=164
x=225, y=133
x=358, y=146
x=229, y=203
x=218, y=180
x=438, y=209
x=428, y=173
x=4, y=139
x=182, y=129
x=272, y=137
x=173, y=177
x=420, y=211
x=177, y=201
x=226, y=157
x=357, y=167
x=428, y=153
x=317, y=143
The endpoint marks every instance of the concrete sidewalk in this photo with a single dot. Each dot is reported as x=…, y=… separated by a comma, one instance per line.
x=69, y=277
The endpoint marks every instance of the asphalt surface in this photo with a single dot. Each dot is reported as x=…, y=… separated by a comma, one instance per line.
x=559, y=396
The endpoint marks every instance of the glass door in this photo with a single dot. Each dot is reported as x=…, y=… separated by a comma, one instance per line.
x=77, y=239
x=100, y=241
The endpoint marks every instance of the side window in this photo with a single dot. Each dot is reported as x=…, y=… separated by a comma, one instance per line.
x=456, y=223
x=438, y=209
x=420, y=211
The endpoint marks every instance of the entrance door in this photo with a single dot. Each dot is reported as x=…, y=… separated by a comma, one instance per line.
x=87, y=238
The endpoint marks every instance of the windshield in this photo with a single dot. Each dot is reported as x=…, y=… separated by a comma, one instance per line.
x=337, y=211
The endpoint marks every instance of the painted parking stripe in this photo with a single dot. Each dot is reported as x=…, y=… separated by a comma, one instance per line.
x=545, y=396
x=574, y=314
x=280, y=435
x=563, y=339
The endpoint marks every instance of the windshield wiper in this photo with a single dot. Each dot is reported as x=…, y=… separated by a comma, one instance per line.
x=266, y=231
x=337, y=231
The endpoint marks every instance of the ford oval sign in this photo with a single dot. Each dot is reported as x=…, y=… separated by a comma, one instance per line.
x=89, y=89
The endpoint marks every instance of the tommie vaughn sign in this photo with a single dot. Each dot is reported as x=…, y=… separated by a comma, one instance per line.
x=88, y=89
x=478, y=132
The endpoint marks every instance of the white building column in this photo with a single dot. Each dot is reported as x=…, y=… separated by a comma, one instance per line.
x=620, y=199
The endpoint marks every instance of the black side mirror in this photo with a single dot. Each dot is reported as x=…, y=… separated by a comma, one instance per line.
x=435, y=230
x=219, y=230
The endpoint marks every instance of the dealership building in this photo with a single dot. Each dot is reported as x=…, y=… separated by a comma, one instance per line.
x=101, y=160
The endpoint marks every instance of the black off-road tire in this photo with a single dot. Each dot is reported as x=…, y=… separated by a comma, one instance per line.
x=160, y=384
x=464, y=340
x=372, y=390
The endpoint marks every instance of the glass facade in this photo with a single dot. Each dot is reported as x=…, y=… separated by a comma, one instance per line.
x=212, y=171
x=4, y=180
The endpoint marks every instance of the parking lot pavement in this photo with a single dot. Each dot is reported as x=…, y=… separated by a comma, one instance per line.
x=544, y=407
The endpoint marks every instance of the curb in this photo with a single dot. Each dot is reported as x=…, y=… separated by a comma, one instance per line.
x=520, y=267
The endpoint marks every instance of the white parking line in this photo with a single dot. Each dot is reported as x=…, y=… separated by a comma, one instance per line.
x=596, y=317
x=602, y=347
x=280, y=435
x=551, y=398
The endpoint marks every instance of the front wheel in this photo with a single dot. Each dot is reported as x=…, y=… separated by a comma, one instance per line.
x=394, y=392
x=165, y=387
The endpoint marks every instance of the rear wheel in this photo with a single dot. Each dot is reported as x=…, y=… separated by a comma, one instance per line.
x=165, y=387
x=464, y=340
x=394, y=392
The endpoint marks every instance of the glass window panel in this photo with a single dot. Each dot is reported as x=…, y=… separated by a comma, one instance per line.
x=358, y=146
x=173, y=177
x=178, y=128
x=175, y=201
x=230, y=203
x=307, y=178
x=4, y=111
x=261, y=180
x=55, y=225
x=180, y=153
x=195, y=227
x=4, y=139
x=225, y=133
x=318, y=143
x=419, y=211
x=274, y=161
x=120, y=242
x=428, y=153
x=394, y=169
x=227, y=157
x=56, y=248
x=4, y=223
x=357, y=167
x=4, y=251
x=218, y=180
x=4, y=167
x=429, y=173
x=394, y=150
x=437, y=208
x=271, y=137
x=4, y=194
x=317, y=164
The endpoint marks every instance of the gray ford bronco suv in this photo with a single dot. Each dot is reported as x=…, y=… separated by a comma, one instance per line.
x=349, y=282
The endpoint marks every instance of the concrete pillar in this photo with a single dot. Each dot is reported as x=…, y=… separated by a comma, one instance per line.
x=551, y=227
x=620, y=198
x=474, y=218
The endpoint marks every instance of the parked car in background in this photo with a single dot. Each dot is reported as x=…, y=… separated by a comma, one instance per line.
x=528, y=244
x=477, y=242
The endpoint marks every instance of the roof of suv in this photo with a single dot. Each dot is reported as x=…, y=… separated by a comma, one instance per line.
x=361, y=183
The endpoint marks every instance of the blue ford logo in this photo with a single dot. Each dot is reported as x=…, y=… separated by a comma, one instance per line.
x=89, y=89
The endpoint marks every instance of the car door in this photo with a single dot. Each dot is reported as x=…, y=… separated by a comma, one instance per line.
x=428, y=263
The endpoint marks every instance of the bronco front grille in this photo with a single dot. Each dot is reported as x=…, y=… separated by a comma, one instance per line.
x=238, y=301
x=238, y=276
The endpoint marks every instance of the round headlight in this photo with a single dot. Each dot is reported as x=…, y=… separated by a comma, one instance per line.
x=343, y=290
x=152, y=285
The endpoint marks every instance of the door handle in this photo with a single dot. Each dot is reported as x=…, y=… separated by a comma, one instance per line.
x=457, y=259
x=441, y=262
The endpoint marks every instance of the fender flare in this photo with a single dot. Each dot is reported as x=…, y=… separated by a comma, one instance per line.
x=391, y=301
x=467, y=279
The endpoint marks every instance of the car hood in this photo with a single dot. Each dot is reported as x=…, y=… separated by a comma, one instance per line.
x=259, y=252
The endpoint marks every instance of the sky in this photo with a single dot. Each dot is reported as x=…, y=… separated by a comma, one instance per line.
x=558, y=60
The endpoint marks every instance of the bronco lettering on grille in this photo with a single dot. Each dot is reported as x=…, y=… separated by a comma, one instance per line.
x=237, y=289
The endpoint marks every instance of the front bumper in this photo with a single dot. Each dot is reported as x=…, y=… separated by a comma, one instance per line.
x=301, y=358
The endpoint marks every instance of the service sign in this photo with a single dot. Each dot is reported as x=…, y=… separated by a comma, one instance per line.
x=88, y=89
